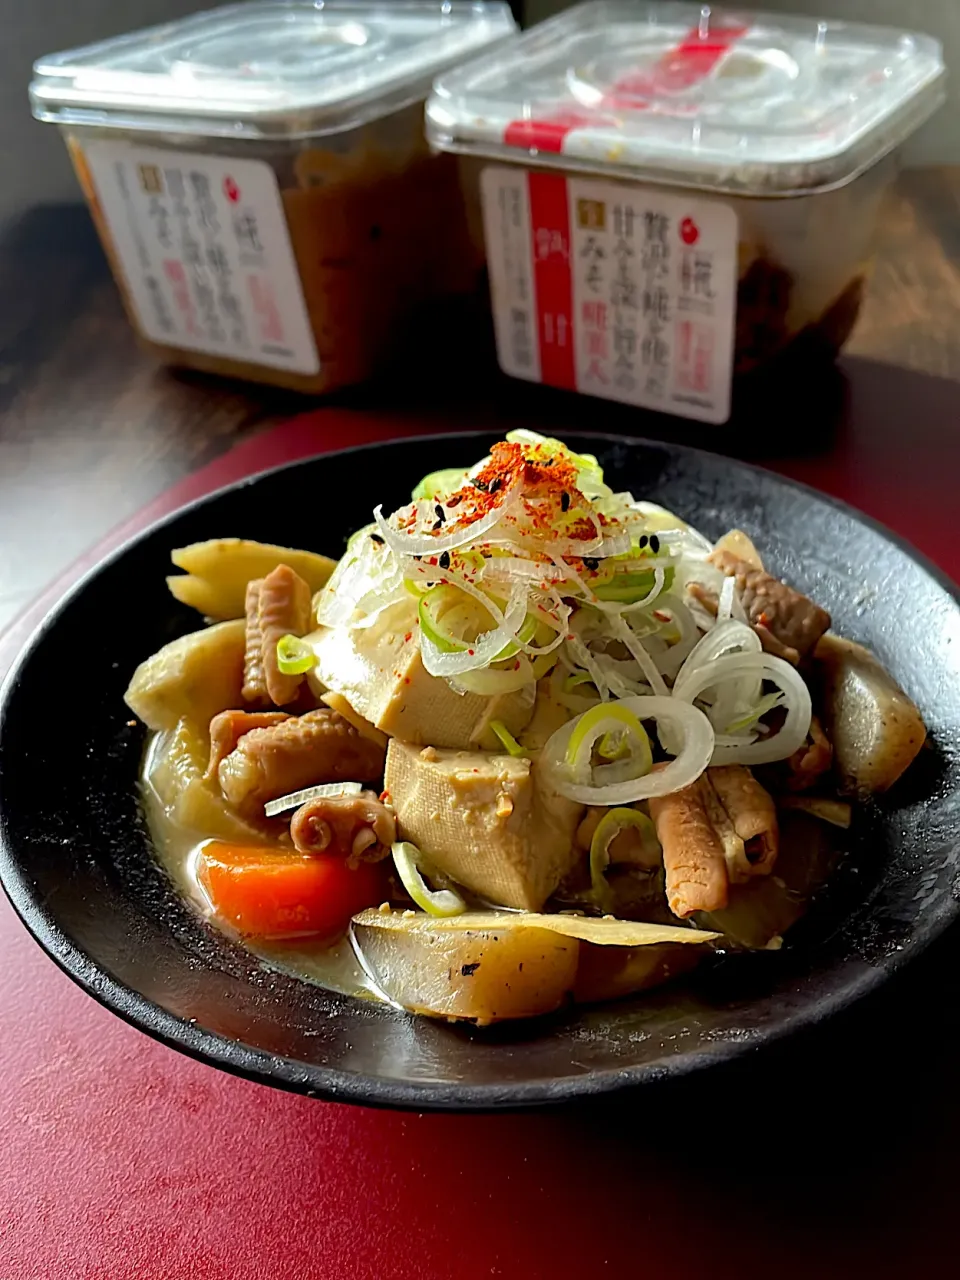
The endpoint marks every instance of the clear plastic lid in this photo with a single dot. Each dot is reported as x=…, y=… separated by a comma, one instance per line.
x=274, y=67
x=754, y=103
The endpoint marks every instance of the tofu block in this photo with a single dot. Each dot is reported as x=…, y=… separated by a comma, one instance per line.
x=379, y=671
x=484, y=820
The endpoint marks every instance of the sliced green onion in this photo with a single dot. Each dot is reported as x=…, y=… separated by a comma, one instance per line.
x=625, y=588
x=578, y=678
x=436, y=602
x=294, y=656
x=440, y=484
x=442, y=902
x=526, y=634
x=608, y=828
x=440, y=600
x=766, y=703
x=599, y=722
x=613, y=746
x=467, y=558
x=455, y=621
x=510, y=743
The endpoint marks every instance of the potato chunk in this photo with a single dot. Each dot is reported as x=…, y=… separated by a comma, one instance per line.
x=607, y=973
x=491, y=965
x=482, y=975
x=198, y=675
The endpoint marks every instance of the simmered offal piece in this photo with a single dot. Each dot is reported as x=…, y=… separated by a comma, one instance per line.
x=530, y=741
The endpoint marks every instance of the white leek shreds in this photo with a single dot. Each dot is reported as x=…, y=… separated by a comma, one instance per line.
x=367, y=572
x=324, y=791
x=484, y=650
x=727, y=637
x=661, y=521
x=762, y=666
x=581, y=657
x=461, y=532
x=647, y=665
x=512, y=676
x=674, y=655
x=688, y=728
x=725, y=600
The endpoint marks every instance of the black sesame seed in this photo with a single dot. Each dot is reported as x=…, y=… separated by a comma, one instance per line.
x=590, y=563
x=495, y=484
x=564, y=501
x=375, y=537
x=643, y=541
x=444, y=560
x=655, y=544
x=440, y=513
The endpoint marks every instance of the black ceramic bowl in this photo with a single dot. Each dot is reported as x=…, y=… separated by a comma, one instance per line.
x=76, y=860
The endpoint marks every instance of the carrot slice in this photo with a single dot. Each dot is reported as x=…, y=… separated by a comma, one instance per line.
x=264, y=892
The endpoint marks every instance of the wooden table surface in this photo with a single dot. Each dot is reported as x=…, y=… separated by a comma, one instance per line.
x=91, y=428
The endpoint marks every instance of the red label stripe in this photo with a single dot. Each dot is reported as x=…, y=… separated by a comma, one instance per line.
x=679, y=68
x=552, y=279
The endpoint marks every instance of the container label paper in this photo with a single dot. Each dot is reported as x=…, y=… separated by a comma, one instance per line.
x=623, y=292
x=205, y=252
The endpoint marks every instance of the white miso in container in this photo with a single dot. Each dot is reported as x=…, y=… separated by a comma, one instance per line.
x=674, y=196
x=260, y=180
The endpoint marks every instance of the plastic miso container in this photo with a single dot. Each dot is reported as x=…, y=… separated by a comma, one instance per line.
x=675, y=196
x=261, y=183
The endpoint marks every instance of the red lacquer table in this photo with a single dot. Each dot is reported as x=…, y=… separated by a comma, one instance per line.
x=831, y=1157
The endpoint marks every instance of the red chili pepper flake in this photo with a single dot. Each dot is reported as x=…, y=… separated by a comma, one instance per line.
x=406, y=679
x=661, y=616
x=516, y=667
x=385, y=797
x=408, y=637
x=764, y=619
x=470, y=652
